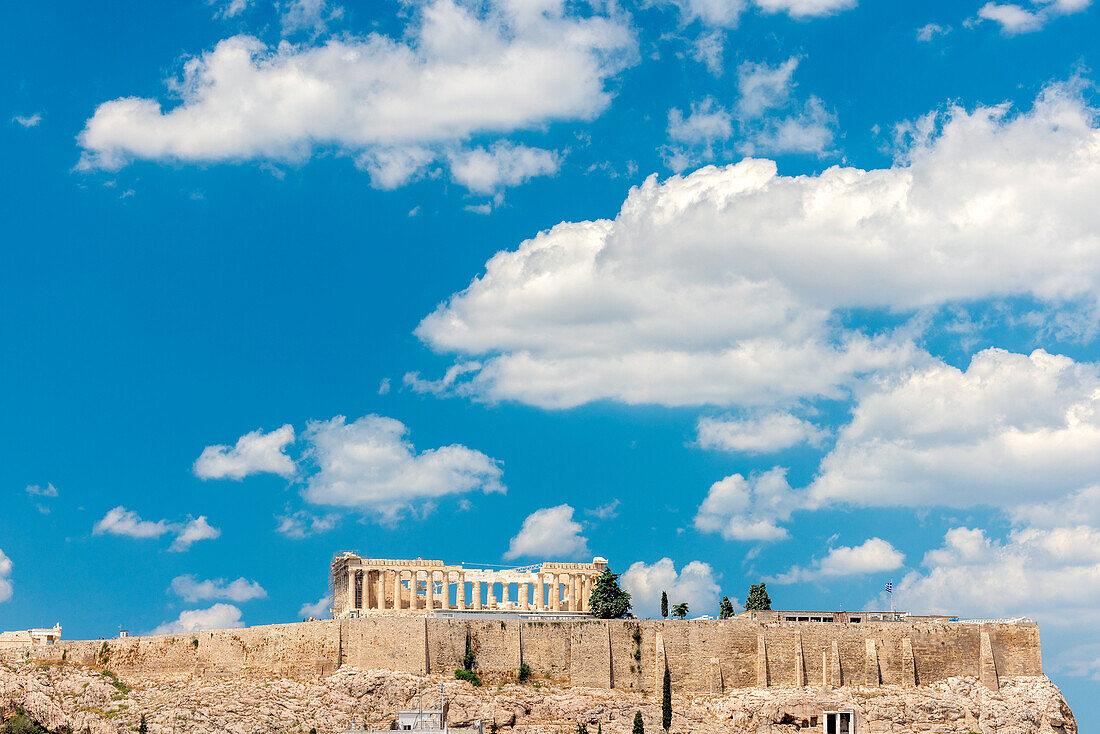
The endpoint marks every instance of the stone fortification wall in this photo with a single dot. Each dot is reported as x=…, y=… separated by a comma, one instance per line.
x=702, y=655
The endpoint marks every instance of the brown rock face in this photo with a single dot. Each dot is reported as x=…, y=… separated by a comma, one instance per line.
x=85, y=700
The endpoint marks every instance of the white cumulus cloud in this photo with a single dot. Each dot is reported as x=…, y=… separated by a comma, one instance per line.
x=255, y=452
x=874, y=555
x=502, y=164
x=1016, y=18
x=461, y=69
x=549, y=533
x=302, y=524
x=6, y=588
x=191, y=532
x=719, y=287
x=321, y=609
x=217, y=617
x=127, y=523
x=764, y=433
x=190, y=588
x=695, y=584
x=1048, y=574
x=748, y=509
x=369, y=464
x=1011, y=429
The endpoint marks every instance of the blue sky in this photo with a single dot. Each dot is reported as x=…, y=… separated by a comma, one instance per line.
x=796, y=290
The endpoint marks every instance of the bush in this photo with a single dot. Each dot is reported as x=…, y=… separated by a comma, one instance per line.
x=680, y=610
x=469, y=676
x=22, y=724
x=393, y=725
x=104, y=654
x=524, y=672
x=639, y=727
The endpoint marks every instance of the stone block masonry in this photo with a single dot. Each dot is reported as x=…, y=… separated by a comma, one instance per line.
x=620, y=654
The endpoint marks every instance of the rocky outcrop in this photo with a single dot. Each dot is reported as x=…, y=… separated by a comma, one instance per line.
x=85, y=700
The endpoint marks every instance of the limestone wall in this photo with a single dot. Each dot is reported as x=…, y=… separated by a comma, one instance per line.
x=702, y=655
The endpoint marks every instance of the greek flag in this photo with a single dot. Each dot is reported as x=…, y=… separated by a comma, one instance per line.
x=890, y=587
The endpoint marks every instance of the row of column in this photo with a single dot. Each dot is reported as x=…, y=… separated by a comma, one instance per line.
x=567, y=591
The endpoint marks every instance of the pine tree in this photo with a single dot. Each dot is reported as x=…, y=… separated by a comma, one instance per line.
x=608, y=600
x=758, y=599
x=143, y=728
x=639, y=727
x=666, y=701
x=468, y=659
x=664, y=604
x=725, y=609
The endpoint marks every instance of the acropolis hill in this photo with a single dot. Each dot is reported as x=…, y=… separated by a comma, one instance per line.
x=945, y=675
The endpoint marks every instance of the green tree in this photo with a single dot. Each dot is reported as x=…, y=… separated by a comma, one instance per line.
x=725, y=609
x=666, y=701
x=639, y=727
x=143, y=728
x=22, y=724
x=608, y=600
x=758, y=598
x=524, y=672
x=468, y=660
x=664, y=604
x=680, y=610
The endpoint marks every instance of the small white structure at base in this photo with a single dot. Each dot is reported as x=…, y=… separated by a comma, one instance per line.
x=32, y=637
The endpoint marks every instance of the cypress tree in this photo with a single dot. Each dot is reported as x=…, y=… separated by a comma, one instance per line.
x=143, y=728
x=666, y=701
x=664, y=604
x=639, y=727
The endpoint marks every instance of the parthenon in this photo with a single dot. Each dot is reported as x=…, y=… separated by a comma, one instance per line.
x=373, y=585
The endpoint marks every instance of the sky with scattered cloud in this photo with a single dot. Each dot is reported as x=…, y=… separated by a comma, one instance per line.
x=724, y=291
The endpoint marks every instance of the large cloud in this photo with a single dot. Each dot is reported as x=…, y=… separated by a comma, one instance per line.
x=369, y=464
x=217, y=617
x=1010, y=430
x=748, y=509
x=549, y=533
x=723, y=286
x=874, y=555
x=694, y=584
x=464, y=69
x=255, y=452
x=189, y=588
x=1049, y=574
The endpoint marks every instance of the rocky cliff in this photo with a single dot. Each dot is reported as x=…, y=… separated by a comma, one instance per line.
x=84, y=699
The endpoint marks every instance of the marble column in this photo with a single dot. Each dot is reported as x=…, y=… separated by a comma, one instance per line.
x=574, y=586
x=429, y=596
x=475, y=587
x=524, y=597
x=396, y=588
x=540, y=598
x=460, y=593
x=380, y=589
x=446, y=602
x=351, y=588
x=555, y=593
